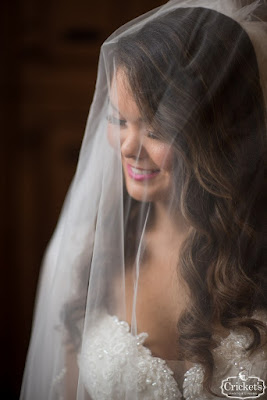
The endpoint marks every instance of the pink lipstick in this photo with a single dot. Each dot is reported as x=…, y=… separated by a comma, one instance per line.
x=141, y=174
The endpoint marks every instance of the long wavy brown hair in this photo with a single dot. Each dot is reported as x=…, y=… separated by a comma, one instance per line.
x=194, y=75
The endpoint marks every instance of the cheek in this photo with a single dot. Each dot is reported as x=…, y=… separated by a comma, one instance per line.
x=163, y=156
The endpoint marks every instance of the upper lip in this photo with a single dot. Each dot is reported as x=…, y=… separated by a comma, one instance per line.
x=142, y=168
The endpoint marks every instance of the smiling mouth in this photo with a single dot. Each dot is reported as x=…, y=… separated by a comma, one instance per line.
x=141, y=174
x=139, y=171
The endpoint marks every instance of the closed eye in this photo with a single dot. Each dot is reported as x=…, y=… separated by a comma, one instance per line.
x=152, y=135
x=116, y=121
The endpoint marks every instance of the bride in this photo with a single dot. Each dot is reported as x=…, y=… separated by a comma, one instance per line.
x=153, y=286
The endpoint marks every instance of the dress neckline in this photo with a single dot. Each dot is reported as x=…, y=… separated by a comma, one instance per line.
x=141, y=337
x=112, y=345
x=221, y=340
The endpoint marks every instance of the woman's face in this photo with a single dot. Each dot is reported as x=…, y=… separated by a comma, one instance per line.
x=147, y=161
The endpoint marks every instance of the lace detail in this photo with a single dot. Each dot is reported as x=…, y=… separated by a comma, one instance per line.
x=193, y=384
x=57, y=382
x=231, y=357
x=116, y=365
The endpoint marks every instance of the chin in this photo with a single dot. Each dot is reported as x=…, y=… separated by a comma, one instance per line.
x=136, y=193
x=144, y=193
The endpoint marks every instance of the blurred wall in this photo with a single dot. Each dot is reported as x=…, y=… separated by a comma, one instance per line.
x=49, y=53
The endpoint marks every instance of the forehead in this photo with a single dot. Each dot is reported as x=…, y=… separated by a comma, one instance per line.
x=121, y=97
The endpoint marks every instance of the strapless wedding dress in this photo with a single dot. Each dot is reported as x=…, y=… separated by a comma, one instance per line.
x=115, y=365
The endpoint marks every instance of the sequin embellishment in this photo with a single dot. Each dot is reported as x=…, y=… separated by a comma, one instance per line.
x=116, y=365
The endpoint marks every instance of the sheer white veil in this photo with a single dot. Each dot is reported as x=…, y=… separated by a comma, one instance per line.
x=85, y=265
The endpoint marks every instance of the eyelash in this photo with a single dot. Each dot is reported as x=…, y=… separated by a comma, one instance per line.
x=116, y=121
x=152, y=135
x=122, y=123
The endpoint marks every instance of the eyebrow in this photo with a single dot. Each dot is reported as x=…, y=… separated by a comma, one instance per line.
x=140, y=119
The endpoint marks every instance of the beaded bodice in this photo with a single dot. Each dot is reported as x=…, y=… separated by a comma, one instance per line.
x=116, y=365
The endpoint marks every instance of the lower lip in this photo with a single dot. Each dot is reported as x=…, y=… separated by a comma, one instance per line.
x=141, y=177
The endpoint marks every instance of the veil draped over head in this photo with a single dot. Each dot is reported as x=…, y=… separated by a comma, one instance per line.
x=157, y=261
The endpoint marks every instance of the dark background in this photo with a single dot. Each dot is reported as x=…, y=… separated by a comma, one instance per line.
x=49, y=54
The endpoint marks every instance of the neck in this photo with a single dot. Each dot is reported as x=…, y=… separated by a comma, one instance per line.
x=168, y=221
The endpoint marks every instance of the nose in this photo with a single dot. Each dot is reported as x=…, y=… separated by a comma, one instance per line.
x=132, y=143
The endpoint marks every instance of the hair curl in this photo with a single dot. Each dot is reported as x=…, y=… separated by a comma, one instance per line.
x=208, y=102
